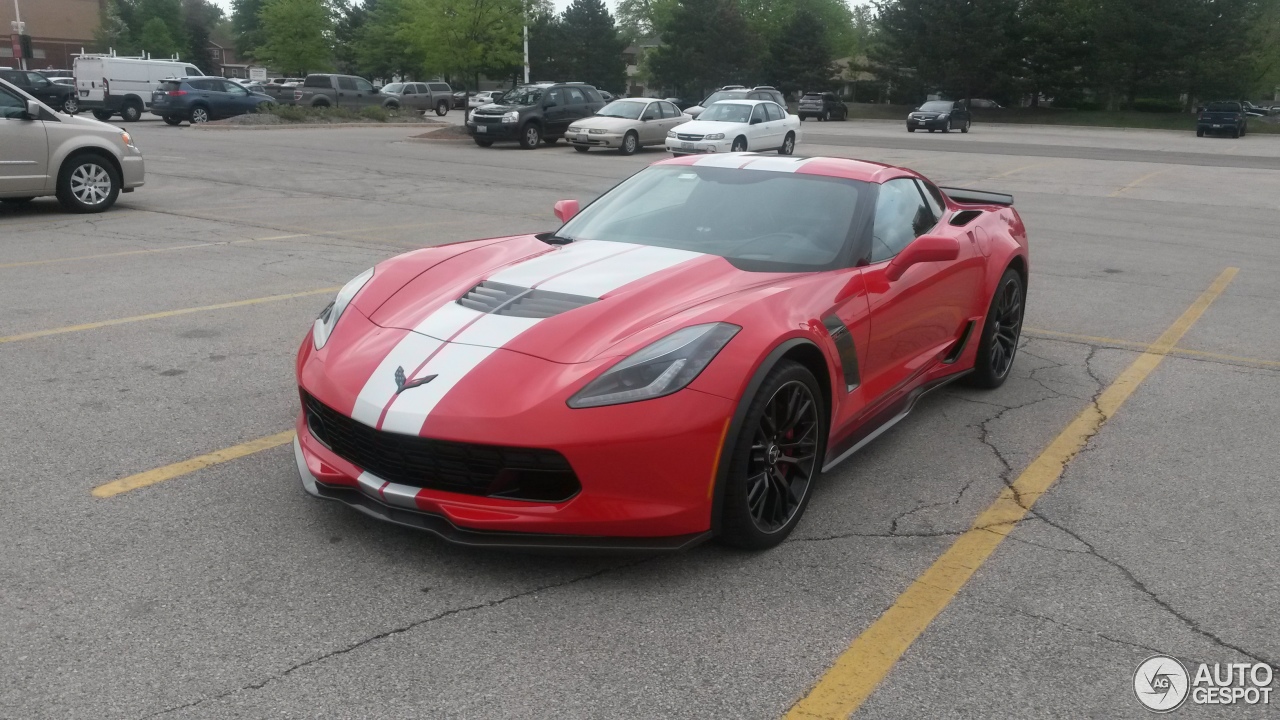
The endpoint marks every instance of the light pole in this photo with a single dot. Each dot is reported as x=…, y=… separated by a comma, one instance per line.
x=18, y=29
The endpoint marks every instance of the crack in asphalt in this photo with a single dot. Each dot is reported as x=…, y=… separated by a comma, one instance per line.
x=1081, y=630
x=395, y=631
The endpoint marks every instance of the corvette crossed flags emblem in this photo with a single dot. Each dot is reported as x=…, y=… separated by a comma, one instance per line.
x=403, y=384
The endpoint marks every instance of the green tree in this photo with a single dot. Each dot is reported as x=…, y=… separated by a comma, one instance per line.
x=298, y=35
x=547, y=60
x=156, y=39
x=1057, y=46
x=198, y=19
x=592, y=46
x=378, y=51
x=115, y=27
x=706, y=44
x=799, y=56
x=466, y=38
x=642, y=18
x=1264, y=48
x=246, y=22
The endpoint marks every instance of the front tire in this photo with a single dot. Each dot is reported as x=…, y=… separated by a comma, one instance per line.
x=88, y=184
x=103, y=115
x=630, y=143
x=131, y=112
x=530, y=135
x=775, y=458
x=199, y=115
x=172, y=120
x=739, y=145
x=1000, y=332
x=788, y=144
x=581, y=148
x=483, y=143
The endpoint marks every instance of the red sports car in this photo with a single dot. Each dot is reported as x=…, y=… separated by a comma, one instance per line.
x=680, y=360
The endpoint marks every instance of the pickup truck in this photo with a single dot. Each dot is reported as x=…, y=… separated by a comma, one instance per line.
x=341, y=91
x=281, y=89
x=1223, y=117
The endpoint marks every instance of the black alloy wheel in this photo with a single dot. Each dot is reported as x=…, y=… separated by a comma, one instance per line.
x=1003, y=327
x=777, y=455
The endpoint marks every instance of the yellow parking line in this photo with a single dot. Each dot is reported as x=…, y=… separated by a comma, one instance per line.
x=168, y=472
x=166, y=314
x=147, y=251
x=859, y=670
x=1138, y=182
x=1179, y=351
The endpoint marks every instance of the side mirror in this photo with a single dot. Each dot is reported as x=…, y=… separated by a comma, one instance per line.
x=756, y=121
x=566, y=209
x=33, y=110
x=926, y=248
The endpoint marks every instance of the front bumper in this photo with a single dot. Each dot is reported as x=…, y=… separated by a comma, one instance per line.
x=931, y=124
x=686, y=147
x=585, y=139
x=493, y=131
x=132, y=171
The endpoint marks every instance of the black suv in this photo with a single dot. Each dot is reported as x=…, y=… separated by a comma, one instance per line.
x=534, y=112
x=58, y=97
x=822, y=105
x=944, y=115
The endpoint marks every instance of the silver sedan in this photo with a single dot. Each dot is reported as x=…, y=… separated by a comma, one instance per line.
x=626, y=124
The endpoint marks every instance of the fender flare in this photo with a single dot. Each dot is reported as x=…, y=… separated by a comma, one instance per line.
x=740, y=414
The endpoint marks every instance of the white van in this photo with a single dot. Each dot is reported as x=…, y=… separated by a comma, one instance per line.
x=110, y=85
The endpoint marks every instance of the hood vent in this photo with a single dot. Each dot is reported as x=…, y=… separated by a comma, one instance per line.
x=501, y=299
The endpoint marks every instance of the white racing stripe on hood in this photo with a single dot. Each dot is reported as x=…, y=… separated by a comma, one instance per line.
x=601, y=278
x=590, y=268
x=778, y=164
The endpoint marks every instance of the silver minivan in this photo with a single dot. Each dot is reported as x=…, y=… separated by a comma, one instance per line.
x=86, y=163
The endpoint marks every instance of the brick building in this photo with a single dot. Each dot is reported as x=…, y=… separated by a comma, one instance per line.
x=58, y=29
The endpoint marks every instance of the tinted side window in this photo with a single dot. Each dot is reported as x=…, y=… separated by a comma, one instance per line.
x=555, y=97
x=575, y=96
x=363, y=85
x=651, y=112
x=11, y=106
x=346, y=83
x=317, y=81
x=757, y=113
x=669, y=110
x=933, y=196
x=901, y=216
x=205, y=85
x=592, y=95
x=37, y=80
x=440, y=87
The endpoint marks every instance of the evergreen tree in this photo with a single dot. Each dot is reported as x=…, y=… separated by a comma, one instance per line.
x=799, y=57
x=592, y=46
x=156, y=39
x=198, y=19
x=246, y=22
x=706, y=44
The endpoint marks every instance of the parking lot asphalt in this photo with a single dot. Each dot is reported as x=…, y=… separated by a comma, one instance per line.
x=164, y=331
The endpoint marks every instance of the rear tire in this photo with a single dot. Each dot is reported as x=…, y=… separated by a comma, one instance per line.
x=131, y=111
x=1001, y=330
x=788, y=144
x=71, y=105
x=88, y=184
x=786, y=423
x=442, y=108
x=103, y=115
x=581, y=148
x=630, y=143
x=530, y=135
x=199, y=115
x=1199, y=132
x=483, y=143
x=965, y=129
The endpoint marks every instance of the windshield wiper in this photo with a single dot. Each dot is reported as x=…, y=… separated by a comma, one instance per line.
x=554, y=239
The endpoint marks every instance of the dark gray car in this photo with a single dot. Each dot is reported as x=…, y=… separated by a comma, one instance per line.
x=422, y=96
x=342, y=91
x=201, y=99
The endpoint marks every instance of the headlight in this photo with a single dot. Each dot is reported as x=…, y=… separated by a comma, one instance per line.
x=598, y=131
x=329, y=316
x=671, y=133
x=944, y=116
x=714, y=136
x=128, y=141
x=661, y=368
x=511, y=117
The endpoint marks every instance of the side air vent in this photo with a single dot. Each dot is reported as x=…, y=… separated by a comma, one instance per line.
x=501, y=299
x=848, y=353
x=964, y=217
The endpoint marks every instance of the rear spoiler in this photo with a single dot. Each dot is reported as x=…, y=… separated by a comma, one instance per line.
x=978, y=197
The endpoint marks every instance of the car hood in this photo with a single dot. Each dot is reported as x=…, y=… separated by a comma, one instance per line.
x=606, y=123
x=567, y=304
x=704, y=127
x=80, y=123
x=499, y=108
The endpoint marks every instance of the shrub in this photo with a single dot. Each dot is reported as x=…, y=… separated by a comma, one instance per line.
x=375, y=113
x=1155, y=105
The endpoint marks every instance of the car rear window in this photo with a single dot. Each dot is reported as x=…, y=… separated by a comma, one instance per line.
x=167, y=85
x=1224, y=107
x=321, y=81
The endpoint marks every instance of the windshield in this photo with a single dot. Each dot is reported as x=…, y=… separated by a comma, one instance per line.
x=524, y=96
x=937, y=106
x=393, y=88
x=727, y=112
x=627, y=109
x=750, y=217
x=724, y=95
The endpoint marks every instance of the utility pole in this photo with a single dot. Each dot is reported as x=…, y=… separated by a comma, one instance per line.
x=526, y=45
x=19, y=28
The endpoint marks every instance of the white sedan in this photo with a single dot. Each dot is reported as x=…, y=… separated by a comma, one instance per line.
x=737, y=126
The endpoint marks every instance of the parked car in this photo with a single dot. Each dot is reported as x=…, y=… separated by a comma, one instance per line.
x=281, y=89
x=484, y=97
x=323, y=90
x=109, y=85
x=737, y=126
x=627, y=124
x=737, y=92
x=682, y=103
x=608, y=96
x=534, y=113
x=823, y=106
x=1225, y=117
x=85, y=163
x=57, y=96
x=986, y=104
x=1254, y=110
x=436, y=96
x=201, y=99
x=944, y=115
x=460, y=99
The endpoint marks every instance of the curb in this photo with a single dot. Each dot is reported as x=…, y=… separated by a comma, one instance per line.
x=308, y=126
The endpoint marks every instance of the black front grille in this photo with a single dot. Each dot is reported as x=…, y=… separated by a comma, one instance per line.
x=685, y=136
x=503, y=299
x=485, y=119
x=517, y=473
